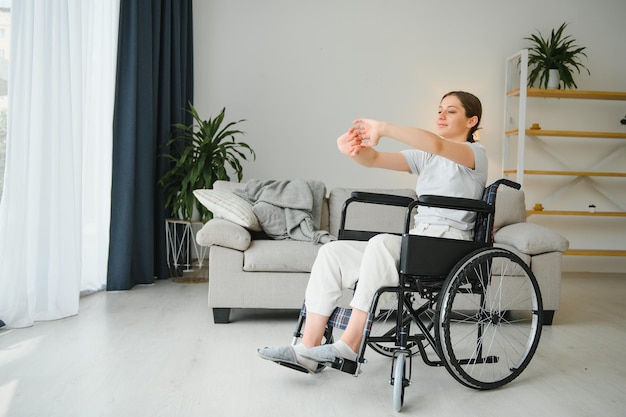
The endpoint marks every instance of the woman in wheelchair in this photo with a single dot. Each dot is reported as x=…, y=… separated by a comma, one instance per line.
x=448, y=162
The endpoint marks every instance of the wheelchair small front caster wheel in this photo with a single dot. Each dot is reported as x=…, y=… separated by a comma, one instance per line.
x=399, y=382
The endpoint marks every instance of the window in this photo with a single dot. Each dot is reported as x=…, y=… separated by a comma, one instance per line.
x=5, y=44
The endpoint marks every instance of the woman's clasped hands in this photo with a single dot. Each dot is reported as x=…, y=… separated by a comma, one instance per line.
x=362, y=134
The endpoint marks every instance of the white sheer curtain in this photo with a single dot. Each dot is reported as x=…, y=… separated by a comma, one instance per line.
x=54, y=214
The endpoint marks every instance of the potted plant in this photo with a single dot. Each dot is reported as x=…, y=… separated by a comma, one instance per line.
x=557, y=53
x=200, y=153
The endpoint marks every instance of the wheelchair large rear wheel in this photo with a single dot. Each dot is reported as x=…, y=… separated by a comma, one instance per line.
x=489, y=318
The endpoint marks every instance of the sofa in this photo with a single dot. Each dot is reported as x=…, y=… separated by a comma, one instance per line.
x=248, y=270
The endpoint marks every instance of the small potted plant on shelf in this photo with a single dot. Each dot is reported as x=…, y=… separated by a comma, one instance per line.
x=200, y=153
x=555, y=59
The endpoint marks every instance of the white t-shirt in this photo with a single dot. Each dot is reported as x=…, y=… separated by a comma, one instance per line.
x=440, y=176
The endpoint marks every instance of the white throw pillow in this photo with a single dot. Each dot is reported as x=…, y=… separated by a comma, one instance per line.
x=226, y=205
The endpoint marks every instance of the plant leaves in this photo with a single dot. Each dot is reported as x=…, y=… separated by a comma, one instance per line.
x=200, y=154
x=555, y=52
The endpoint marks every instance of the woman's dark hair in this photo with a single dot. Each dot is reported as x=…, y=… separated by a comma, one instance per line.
x=472, y=107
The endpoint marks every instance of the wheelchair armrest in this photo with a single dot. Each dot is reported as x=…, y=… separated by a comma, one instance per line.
x=377, y=198
x=455, y=203
x=368, y=198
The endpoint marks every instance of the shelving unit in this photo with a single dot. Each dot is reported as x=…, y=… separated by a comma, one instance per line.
x=517, y=130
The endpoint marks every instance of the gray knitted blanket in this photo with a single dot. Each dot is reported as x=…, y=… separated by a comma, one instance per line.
x=288, y=209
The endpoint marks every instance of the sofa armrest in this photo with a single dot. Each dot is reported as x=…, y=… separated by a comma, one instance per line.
x=222, y=232
x=531, y=239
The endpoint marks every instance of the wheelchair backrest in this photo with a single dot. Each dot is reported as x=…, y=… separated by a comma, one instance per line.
x=483, y=228
x=436, y=257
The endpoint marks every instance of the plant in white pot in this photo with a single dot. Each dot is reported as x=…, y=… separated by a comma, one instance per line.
x=200, y=155
x=558, y=55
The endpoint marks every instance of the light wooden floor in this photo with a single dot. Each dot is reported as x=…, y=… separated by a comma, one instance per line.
x=154, y=351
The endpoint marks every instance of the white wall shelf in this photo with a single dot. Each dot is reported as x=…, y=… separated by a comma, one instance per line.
x=547, y=142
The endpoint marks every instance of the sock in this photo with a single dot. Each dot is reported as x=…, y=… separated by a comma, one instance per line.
x=344, y=350
x=308, y=363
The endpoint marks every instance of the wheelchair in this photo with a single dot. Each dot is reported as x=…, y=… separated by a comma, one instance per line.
x=471, y=307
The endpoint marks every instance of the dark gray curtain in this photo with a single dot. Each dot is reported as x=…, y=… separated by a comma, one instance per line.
x=154, y=84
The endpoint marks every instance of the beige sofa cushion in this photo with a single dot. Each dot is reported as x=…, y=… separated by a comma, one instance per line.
x=531, y=238
x=510, y=207
x=372, y=217
x=228, y=185
x=280, y=256
x=224, y=233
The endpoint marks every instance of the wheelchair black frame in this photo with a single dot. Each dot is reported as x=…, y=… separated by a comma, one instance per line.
x=428, y=286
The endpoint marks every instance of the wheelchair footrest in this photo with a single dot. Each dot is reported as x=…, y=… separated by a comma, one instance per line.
x=294, y=366
x=345, y=365
x=487, y=359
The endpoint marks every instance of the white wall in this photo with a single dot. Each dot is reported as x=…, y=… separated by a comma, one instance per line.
x=300, y=72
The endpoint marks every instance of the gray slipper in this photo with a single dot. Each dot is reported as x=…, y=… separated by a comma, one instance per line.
x=322, y=354
x=285, y=356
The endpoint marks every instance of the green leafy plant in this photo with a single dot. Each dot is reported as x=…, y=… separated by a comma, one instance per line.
x=556, y=52
x=200, y=153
